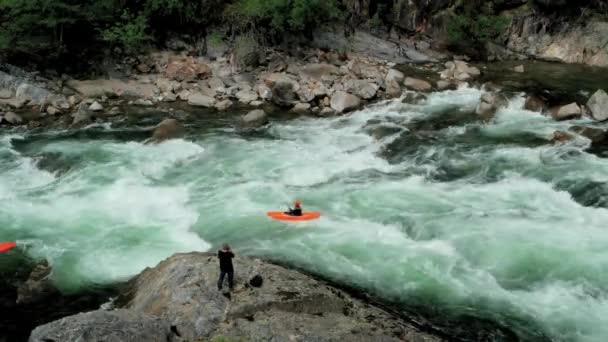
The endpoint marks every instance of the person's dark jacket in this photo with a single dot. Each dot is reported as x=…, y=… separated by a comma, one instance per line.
x=297, y=211
x=225, y=260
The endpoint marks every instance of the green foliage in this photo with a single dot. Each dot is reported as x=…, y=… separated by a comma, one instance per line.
x=215, y=39
x=57, y=28
x=286, y=15
x=34, y=25
x=375, y=21
x=130, y=33
x=476, y=29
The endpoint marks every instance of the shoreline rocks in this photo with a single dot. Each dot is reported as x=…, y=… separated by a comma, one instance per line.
x=306, y=85
x=178, y=300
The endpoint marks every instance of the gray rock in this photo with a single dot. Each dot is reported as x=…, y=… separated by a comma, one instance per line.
x=263, y=91
x=6, y=94
x=519, y=68
x=167, y=129
x=204, y=89
x=169, y=97
x=183, y=95
x=320, y=90
x=96, y=107
x=253, y=120
x=61, y=103
x=462, y=76
x=275, y=78
x=305, y=94
x=52, y=110
x=200, y=100
x=181, y=293
x=365, y=43
x=443, y=85
x=535, y=104
x=108, y=326
x=256, y=103
x=168, y=86
x=224, y=105
x=318, y=71
x=327, y=111
x=114, y=111
x=463, y=67
x=598, y=105
x=82, y=115
x=343, y=102
x=301, y=108
x=416, y=84
x=364, y=89
x=13, y=118
x=73, y=100
x=596, y=135
x=216, y=83
x=393, y=89
x=570, y=111
x=38, y=285
x=395, y=75
x=246, y=96
x=143, y=103
x=490, y=104
x=284, y=94
x=15, y=103
x=32, y=93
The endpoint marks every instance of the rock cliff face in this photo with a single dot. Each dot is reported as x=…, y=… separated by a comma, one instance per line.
x=556, y=30
x=178, y=300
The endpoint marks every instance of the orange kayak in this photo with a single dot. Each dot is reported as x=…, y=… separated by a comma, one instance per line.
x=6, y=246
x=306, y=216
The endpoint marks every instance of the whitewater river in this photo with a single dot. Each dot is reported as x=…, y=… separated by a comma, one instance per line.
x=421, y=204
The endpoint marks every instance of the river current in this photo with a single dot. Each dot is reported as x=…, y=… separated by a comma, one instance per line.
x=421, y=204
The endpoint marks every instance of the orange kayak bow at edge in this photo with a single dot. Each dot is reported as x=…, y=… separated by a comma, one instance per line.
x=6, y=246
x=306, y=216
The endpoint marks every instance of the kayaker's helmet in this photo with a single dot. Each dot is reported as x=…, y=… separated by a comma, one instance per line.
x=297, y=203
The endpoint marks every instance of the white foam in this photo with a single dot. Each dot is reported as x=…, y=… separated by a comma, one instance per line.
x=502, y=238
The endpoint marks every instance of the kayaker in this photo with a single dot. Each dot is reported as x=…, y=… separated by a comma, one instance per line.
x=296, y=211
x=225, y=255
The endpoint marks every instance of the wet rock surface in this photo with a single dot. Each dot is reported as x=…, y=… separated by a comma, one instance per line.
x=178, y=300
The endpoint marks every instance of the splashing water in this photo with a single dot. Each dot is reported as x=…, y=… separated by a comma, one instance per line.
x=437, y=209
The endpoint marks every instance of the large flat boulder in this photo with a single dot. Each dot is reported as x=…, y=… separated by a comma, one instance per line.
x=113, y=87
x=178, y=300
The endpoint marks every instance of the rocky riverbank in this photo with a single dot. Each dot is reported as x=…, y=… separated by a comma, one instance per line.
x=314, y=82
x=321, y=83
x=178, y=300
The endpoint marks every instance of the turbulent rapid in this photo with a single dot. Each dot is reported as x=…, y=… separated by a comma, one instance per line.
x=422, y=204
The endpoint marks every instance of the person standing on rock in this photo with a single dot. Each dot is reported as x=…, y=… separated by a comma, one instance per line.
x=225, y=255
